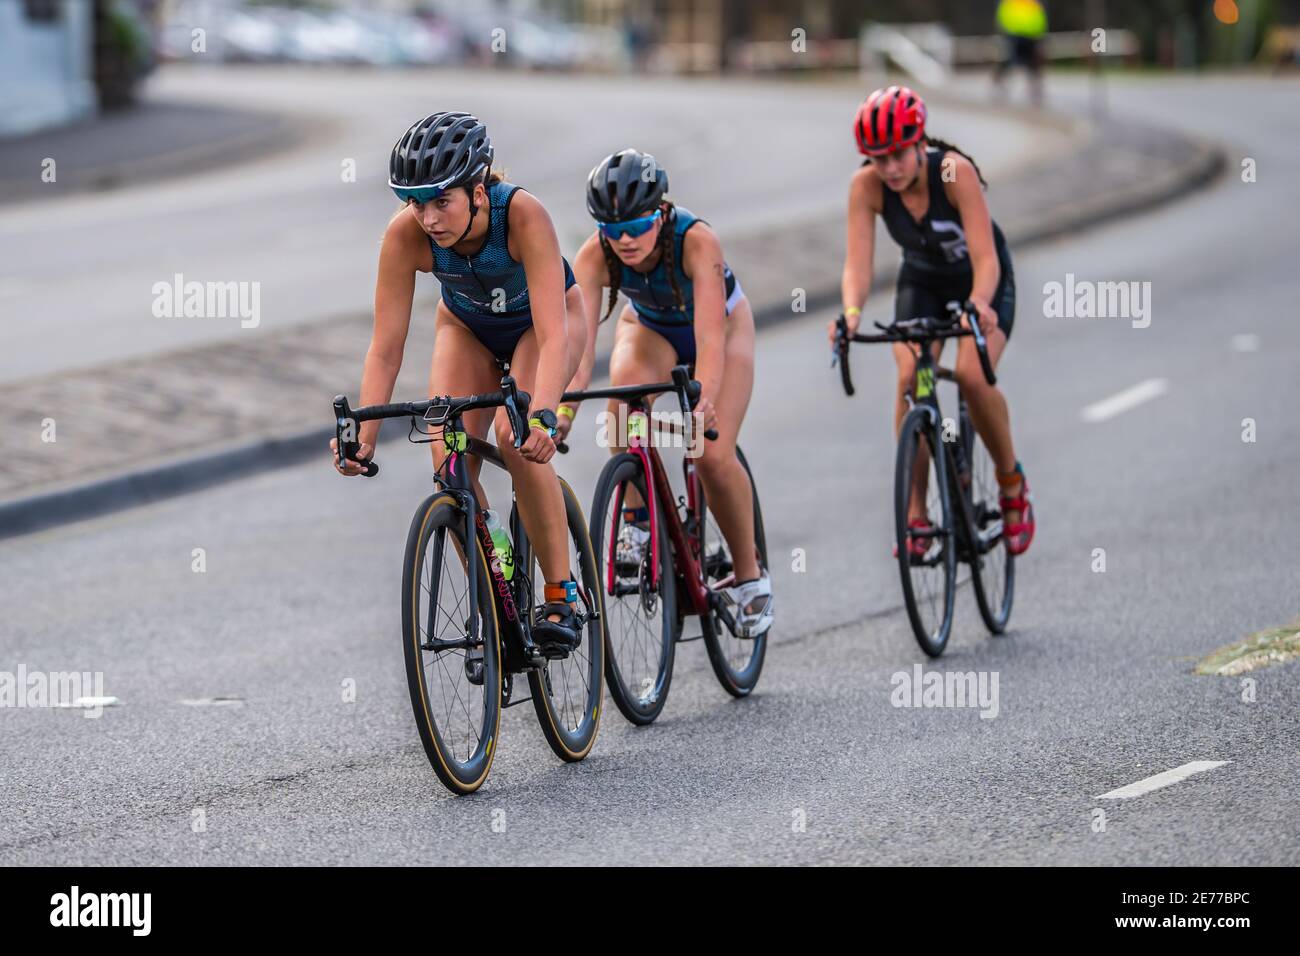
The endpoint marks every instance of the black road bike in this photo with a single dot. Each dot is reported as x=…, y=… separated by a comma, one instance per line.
x=468, y=612
x=945, y=463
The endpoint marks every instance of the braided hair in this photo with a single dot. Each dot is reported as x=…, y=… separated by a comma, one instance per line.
x=668, y=250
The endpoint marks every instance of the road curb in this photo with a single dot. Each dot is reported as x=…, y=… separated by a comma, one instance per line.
x=1205, y=161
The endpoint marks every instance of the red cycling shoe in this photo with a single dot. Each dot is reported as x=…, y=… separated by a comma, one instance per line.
x=917, y=547
x=1018, y=534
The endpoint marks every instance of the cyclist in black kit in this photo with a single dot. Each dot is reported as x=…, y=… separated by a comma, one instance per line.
x=929, y=195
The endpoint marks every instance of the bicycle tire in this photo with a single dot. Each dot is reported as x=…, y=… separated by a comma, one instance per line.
x=438, y=518
x=721, y=644
x=639, y=694
x=917, y=428
x=994, y=580
x=571, y=731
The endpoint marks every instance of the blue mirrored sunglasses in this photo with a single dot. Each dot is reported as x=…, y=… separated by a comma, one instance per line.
x=633, y=227
x=420, y=194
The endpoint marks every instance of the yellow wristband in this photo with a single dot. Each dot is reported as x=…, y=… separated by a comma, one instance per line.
x=854, y=310
x=566, y=411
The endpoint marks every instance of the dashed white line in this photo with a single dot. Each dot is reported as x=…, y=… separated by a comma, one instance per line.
x=214, y=702
x=1125, y=400
x=1148, y=784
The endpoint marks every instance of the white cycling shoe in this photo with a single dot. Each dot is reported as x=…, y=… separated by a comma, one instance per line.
x=630, y=550
x=751, y=606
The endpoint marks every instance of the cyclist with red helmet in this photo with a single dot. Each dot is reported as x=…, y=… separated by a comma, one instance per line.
x=929, y=194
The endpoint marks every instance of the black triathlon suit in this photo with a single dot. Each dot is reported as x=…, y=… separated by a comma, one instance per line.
x=936, y=262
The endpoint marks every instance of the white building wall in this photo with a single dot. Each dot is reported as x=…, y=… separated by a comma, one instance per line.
x=45, y=67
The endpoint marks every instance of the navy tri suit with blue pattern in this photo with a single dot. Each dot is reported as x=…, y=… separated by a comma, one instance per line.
x=651, y=293
x=488, y=291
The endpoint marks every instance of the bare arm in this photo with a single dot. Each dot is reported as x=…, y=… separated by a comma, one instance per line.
x=539, y=250
x=592, y=273
x=702, y=261
x=965, y=193
x=400, y=257
x=860, y=248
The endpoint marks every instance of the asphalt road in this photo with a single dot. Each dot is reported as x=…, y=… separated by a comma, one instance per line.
x=1202, y=538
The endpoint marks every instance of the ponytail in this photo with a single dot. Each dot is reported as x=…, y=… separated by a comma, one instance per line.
x=947, y=147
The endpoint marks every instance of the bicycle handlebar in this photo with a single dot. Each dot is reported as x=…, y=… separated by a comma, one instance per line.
x=347, y=419
x=686, y=388
x=921, y=330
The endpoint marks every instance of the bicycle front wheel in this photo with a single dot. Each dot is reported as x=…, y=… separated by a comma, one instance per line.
x=737, y=662
x=641, y=621
x=927, y=556
x=454, y=677
x=567, y=693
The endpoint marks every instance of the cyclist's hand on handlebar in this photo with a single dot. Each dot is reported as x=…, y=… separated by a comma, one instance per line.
x=563, y=425
x=988, y=318
x=706, y=414
x=351, y=467
x=538, y=447
x=851, y=323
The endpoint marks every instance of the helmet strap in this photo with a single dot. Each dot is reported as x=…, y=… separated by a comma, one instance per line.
x=470, y=225
x=920, y=165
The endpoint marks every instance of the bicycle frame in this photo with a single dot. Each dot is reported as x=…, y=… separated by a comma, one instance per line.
x=690, y=584
x=694, y=595
x=518, y=649
x=954, y=464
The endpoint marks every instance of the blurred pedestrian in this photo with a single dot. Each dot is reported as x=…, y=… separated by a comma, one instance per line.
x=1022, y=24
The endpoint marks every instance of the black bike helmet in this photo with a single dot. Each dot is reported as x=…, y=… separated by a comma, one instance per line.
x=443, y=149
x=626, y=185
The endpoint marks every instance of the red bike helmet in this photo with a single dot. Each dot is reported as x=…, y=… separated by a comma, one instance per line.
x=890, y=119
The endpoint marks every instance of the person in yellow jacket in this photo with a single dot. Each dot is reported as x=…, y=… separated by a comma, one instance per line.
x=1022, y=23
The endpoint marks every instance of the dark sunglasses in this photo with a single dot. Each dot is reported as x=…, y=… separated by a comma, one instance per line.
x=632, y=227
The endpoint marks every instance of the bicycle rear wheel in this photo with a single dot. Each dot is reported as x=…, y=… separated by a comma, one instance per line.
x=640, y=618
x=567, y=693
x=457, y=707
x=993, y=567
x=929, y=579
x=737, y=662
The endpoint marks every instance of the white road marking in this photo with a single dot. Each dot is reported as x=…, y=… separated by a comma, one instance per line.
x=91, y=702
x=214, y=702
x=1148, y=784
x=1246, y=342
x=1123, y=401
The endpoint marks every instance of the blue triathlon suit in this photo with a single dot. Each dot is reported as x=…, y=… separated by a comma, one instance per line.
x=936, y=262
x=651, y=293
x=498, y=320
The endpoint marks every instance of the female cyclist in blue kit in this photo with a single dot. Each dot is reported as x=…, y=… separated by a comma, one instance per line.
x=507, y=296
x=686, y=308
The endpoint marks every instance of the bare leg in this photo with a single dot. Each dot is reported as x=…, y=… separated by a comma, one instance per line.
x=640, y=355
x=988, y=408
x=537, y=489
x=462, y=365
x=730, y=494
